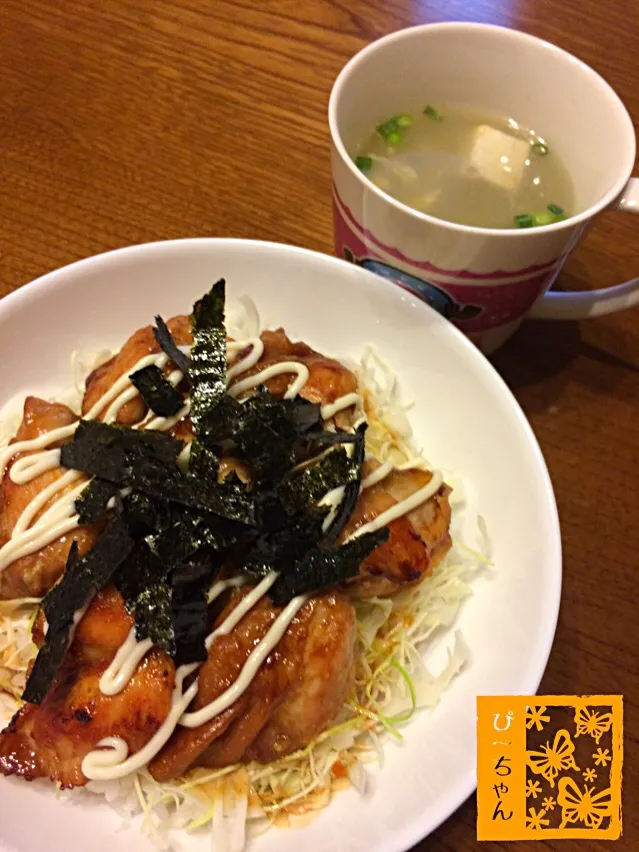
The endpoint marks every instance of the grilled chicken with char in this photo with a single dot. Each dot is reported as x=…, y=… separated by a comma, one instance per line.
x=36, y=573
x=296, y=694
x=51, y=740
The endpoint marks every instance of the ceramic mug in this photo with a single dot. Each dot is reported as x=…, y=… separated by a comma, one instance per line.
x=483, y=279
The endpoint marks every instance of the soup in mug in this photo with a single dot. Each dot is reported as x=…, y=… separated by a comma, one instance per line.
x=468, y=167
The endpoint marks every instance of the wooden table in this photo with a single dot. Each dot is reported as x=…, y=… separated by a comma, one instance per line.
x=125, y=121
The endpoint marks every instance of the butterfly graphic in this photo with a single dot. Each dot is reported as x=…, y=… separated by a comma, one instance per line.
x=581, y=805
x=550, y=760
x=587, y=721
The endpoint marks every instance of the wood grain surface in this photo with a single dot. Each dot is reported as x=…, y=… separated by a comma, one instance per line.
x=125, y=121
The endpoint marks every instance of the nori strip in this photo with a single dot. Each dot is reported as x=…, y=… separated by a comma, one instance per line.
x=271, y=433
x=266, y=445
x=313, y=443
x=141, y=569
x=140, y=513
x=169, y=347
x=153, y=616
x=320, y=568
x=305, y=416
x=281, y=548
x=110, y=451
x=179, y=537
x=189, y=611
x=157, y=392
x=91, y=574
x=207, y=372
x=351, y=491
x=300, y=490
x=203, y=462
x=92, y=503
x=173, y=530
x=183, y=539
x=52, y=653
x=146, y=462
x=47, y=664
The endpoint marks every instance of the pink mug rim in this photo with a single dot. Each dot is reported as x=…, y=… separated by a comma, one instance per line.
x=508, y=32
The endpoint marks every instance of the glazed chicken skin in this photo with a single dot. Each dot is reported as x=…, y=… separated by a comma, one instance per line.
x=52, y=739
x=139, y=345
x=417, y=541
x=35, y=574
x=296, y=694
x=327, y=381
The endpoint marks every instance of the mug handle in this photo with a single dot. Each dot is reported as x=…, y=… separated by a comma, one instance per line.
x=594, y=303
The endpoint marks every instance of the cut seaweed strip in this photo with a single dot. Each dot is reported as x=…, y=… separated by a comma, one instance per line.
x=166, y=343
x=283, y=547
x=351, y=490
x=203, y=462
x=47, y=663
x=146, y=462
x=189, y=611
x=91, y=574
x=321, y=568
x=51, y=654
x=81, y=580
x=111, y=451
x=159, y=394
x=140, y=570
x=153, y=616
x=91, y=505
x=301, y=489
x=208, y=357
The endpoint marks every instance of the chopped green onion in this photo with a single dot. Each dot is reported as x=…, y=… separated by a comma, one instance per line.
x=556, y=209
x=542, y=218
x=364, y=164
x=525, y=220
x=540, y=148
x=404, y=121
x=404, y=717
x=394, y=138
x=387, y=127
x=433, y=113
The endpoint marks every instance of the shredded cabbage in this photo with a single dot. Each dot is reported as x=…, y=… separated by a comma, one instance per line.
x=393, y=682
x=16, y=652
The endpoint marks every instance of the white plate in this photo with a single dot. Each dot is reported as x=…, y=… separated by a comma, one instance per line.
x=465, y=418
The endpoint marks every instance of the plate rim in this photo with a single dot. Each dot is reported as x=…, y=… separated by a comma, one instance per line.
x=465, y=787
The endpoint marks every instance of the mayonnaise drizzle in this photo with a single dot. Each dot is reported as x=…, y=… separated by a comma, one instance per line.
x=28, y=537
x=110, y=759
x=34, y=539
x=124, y=664
x=38, y=443
x=346, y=401
x=32, y=509
x=403, y=507
x=249, y=361
x=274, y=370
x=377, y=475
x=28, y=467
x=250, y=668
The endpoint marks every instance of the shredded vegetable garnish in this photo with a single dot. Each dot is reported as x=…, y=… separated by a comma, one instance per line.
x=16, y=652
x=395, y=681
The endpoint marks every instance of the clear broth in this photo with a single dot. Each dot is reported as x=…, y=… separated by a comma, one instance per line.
x=468, y=167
